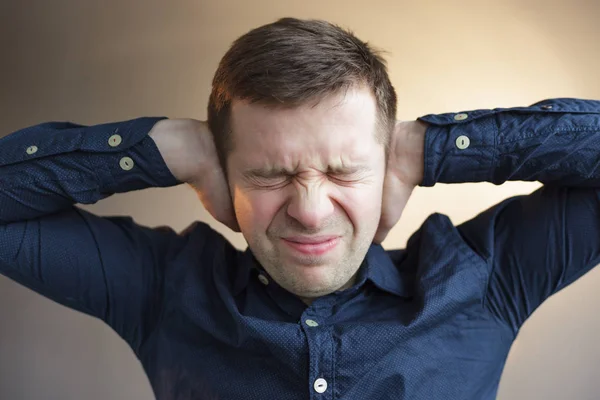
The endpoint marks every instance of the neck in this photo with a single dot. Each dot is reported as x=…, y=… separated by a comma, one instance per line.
x=309, y=300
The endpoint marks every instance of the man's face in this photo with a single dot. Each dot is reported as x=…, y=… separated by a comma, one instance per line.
x=307, y=186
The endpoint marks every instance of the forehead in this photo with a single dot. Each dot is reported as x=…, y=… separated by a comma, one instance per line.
x=340, y=127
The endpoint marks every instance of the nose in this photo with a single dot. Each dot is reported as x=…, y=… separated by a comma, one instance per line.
x=310, y=205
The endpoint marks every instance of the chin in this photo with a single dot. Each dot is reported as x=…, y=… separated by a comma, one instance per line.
x=313, y=295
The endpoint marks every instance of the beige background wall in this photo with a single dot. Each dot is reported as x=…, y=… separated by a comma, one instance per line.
x=100, y=61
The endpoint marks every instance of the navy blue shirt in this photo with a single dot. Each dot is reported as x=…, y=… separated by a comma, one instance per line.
x=435, y=320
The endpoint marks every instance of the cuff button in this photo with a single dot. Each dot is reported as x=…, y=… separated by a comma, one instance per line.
x=114, y=140
x=126, y=163
x=462, y=142
x=31, y=149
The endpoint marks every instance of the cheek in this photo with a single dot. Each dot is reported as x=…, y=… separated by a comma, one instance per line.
x=256, y=209
x=362, y=205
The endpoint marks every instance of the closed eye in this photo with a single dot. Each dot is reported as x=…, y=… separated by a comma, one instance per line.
x=348, y=176
x=344, y=180
x=271, y=182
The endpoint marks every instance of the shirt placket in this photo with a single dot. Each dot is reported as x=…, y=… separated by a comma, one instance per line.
x=319, y=335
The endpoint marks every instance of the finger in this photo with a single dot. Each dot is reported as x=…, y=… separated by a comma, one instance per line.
x=224, y=203
x=395, y=196
x=380, y=236
x=214, y=194
x=384, y=224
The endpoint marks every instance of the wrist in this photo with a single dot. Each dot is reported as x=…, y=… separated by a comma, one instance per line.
x=416, y=142
x=182, y=145
x=409, y=151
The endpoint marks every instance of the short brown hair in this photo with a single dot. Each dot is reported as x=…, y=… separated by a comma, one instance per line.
x=291, y=62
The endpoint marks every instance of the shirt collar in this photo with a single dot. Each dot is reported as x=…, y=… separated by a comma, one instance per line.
x=384, y=273
x=377, y=267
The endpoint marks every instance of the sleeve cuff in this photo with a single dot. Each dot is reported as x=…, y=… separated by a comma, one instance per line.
x=459, y=148
x=138, y=165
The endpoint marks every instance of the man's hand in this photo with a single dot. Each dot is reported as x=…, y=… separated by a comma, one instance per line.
x=189, y=151
x=404, y=172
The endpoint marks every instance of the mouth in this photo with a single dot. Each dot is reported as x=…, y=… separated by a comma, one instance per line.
x=312, y=245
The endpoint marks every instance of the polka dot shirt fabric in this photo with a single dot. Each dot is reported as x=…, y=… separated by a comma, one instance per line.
x=434, y=320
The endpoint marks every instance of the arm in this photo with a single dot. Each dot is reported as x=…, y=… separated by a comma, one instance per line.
x=533, y=245
x=108, y=267
x=48, y=168
x=553, y=141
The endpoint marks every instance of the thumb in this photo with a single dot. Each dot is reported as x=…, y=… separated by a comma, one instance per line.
x=380, y=235
x=213, y=192
x=395, y=196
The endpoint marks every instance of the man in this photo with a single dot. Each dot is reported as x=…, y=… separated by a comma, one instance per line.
x=302, y=153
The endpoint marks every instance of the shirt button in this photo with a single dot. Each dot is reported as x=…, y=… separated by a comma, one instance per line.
x=31, y=149
x=462, y=142
x=114, y=140
x=263, y=279
x=311, y=323
x=461, y=116
x=126, y=163
x=547, y=107
x=320, y=385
